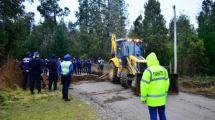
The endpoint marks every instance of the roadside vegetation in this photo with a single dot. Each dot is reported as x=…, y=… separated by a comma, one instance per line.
x=20, y=105
x=201, y=85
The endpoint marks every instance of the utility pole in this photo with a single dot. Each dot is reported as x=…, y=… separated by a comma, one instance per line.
x=175, y=42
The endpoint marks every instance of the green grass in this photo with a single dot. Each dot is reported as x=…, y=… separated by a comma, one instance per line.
x=204, y=79
x=19, y=105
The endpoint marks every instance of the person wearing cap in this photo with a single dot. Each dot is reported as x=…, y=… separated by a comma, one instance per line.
x=66, y=69
x=25, y=69
x=35, y=68
x=53, y=72
x=154, y=87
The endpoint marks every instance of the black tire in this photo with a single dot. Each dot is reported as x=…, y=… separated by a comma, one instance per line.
x=137, y=79
x=124, y=80
x=113, y=73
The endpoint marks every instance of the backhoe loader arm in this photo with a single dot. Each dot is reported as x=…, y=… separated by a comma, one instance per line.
x=113, y=45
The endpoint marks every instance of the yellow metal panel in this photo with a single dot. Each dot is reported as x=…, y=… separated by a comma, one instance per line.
x=131, y=68
x=113, y=44
x=115, y=60
x=139, y=59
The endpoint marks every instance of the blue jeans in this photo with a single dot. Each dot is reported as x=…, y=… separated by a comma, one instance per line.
x=160, y=110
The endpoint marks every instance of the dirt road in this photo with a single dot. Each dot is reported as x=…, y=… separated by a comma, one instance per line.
x=115, y=103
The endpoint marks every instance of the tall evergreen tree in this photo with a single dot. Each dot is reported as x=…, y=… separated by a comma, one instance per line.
x=191, y=51
x=117, y=17
x=50, y=10
x=99, y=18
x=206, y=30
x=60, y=45
x=154, y=31
x=136, y=31
x=15, y=25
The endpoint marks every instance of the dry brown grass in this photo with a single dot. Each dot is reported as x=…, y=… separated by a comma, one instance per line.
x=198, y=87
x=10, y=74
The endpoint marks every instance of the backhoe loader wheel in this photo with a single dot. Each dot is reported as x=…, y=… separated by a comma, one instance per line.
x=124, y=80
x=137, y=80
x=113, y=73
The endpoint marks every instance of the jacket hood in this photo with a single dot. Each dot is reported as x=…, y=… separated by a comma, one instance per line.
x=152, y=60
x=67, y=57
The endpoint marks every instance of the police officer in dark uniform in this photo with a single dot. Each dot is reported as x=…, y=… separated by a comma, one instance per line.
x=25, y=69
x=74, y=62
x=53, y=72
x=35, y=67
x=89, y=65
x=79, y=68
x=45, y=66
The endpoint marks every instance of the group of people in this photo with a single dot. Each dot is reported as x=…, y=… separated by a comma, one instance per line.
x=154, y=83
x=34, y=67
x=81, y=66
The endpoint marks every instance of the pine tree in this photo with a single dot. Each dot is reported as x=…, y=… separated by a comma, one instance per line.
x=154, y=31
x=60, y=45
x=136, y=31
x=98, y=18
x=117, y=17
x=206, y=31
x=191, y=51
x=50, y=10
x=15, y=26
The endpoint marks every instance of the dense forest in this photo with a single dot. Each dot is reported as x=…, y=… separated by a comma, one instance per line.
x=89, y=36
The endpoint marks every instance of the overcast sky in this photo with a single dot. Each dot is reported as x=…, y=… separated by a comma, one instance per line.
x=135, y=7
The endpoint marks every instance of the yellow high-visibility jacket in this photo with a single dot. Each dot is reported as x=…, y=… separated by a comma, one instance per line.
x=154, y=83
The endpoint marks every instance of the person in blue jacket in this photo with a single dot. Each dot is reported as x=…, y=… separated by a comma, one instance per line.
x=35, y=68
x=25, y=70
x=66, y=69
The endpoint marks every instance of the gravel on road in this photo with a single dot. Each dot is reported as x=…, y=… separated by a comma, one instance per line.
x=113, y=102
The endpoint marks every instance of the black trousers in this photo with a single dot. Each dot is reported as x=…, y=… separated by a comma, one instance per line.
x=65, y=82
x=89, y=70
x=75, y=69
x=80, y=70
x=35, y=79
x=53, y=77
x=25, y=79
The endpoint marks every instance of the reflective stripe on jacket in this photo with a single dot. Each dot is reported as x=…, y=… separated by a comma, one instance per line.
x=154, y=83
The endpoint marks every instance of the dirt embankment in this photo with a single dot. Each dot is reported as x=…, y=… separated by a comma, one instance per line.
x=205, y=88
x=90, y=77
x=10, y=74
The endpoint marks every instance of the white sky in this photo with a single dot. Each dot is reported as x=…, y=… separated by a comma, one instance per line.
x=191, y=8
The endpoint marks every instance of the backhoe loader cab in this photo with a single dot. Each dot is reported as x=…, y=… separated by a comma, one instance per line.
x=127, y=48
x=127, y=62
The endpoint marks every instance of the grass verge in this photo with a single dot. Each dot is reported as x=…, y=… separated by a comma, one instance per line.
x=198, y=85
x=20, y=105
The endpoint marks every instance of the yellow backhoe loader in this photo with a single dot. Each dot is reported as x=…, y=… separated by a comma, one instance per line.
x=127, y=62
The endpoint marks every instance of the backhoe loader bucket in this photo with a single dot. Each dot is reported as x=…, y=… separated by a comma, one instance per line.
x=173, y=88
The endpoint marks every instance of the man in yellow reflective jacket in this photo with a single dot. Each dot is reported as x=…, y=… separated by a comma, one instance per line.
x=154, y=87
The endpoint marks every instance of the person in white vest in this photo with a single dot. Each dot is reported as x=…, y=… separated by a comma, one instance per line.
x=66, y=69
